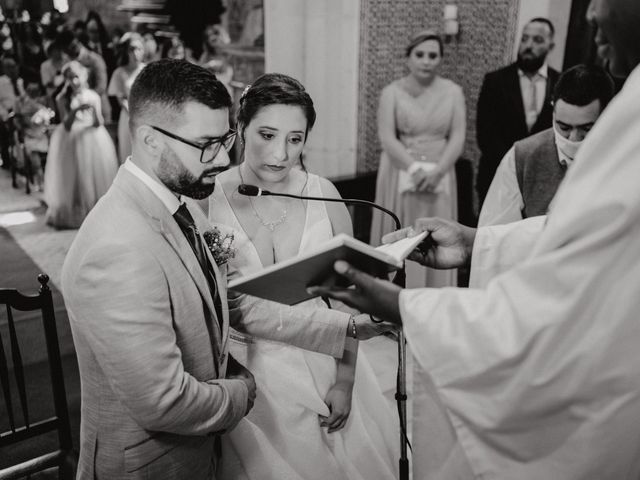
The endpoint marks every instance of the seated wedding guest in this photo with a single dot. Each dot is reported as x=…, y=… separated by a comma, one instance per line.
x=314, y=417
x=32, y=51
x=174, y=48
x=51, y=71
x=515, y=101
x=11, y=83
x=539, y=371
x=131, y=51
x=151, y=52
x=421, y=124
x=11, y=90
x=531, y=171
x=147, y=302
x=214, y=36
x=93, y=62
x=7, y=43
x=34, y=118
x=79, y=30
x=82, y=160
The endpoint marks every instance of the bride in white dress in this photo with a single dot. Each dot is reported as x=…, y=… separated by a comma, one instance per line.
x=314, y=417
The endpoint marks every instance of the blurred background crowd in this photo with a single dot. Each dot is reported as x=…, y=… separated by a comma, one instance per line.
x=36, y=44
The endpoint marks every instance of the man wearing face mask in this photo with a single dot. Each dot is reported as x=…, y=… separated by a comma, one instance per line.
x=531, y=171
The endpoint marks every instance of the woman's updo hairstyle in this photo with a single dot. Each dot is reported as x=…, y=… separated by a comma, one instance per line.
x=274, y=89
x=423, y=36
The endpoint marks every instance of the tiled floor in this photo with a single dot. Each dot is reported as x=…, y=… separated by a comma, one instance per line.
x=23, y=216
x=15, y=200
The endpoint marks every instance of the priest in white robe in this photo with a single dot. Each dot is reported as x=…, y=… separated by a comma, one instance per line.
x=539, y=371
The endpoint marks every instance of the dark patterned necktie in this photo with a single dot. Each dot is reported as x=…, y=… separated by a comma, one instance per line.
x=188, y=227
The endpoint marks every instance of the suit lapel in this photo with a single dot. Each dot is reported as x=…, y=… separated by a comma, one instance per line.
x=162, y=221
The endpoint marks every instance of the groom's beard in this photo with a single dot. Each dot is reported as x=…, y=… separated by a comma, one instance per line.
x=181, y=181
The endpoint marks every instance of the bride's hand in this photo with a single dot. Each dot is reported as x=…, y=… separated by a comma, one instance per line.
x=338, y=400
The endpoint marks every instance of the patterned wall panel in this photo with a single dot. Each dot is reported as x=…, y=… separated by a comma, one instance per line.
x=487, y=33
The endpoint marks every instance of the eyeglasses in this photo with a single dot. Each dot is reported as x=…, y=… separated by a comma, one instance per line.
x=211, y=148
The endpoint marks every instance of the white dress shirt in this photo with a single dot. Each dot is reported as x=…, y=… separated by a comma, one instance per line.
x=539, y=80
x=539, y=371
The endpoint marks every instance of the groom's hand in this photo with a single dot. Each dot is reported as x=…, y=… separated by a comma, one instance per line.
x=235, y=370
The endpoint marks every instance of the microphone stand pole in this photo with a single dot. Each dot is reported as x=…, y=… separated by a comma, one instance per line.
x=401, y=381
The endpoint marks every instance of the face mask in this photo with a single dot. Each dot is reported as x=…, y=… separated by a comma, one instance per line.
x=567, y=149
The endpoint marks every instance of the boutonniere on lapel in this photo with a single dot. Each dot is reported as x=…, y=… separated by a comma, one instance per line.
x=220, y=245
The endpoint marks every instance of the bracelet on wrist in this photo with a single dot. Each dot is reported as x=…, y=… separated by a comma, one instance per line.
x=354, y=332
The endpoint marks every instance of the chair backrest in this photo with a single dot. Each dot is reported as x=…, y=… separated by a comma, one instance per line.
x=22, y=428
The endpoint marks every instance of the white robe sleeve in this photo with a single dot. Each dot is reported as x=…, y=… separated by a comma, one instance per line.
x=503, y=203
x=498, y=248
x=539, y=370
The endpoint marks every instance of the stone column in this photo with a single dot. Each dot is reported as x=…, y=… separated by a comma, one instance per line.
x=317, y=43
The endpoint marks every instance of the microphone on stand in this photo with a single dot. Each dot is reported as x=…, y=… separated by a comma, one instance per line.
x=400, y=280
x=254, y=191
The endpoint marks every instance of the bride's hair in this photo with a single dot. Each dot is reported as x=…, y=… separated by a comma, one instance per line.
x=274, y=89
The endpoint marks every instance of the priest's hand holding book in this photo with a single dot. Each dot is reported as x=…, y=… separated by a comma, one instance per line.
x=447, y=244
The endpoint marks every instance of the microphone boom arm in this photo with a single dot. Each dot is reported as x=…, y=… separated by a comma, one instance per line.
x=351, y=201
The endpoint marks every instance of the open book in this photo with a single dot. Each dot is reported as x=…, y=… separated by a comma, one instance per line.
x=287, y=281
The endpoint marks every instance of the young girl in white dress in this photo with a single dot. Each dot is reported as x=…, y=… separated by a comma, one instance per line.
x=314, y=417
x=132, y=51
x=81, y=163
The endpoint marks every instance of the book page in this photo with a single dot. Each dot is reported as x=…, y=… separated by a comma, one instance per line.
x=402, y=248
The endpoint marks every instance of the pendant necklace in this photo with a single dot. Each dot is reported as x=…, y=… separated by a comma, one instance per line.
x=269, y=225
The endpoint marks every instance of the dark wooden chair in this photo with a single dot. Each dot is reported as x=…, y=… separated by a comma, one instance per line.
x=25, y=429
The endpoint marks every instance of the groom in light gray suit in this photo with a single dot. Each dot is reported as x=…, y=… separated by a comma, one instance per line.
x=147, y=302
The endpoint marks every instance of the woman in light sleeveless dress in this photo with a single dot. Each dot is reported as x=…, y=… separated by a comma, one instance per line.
x=314, y=417
x=132, y=51
x=81, y=162
x=421, y=120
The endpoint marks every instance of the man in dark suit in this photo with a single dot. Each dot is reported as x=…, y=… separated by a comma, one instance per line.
x=515, y=101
